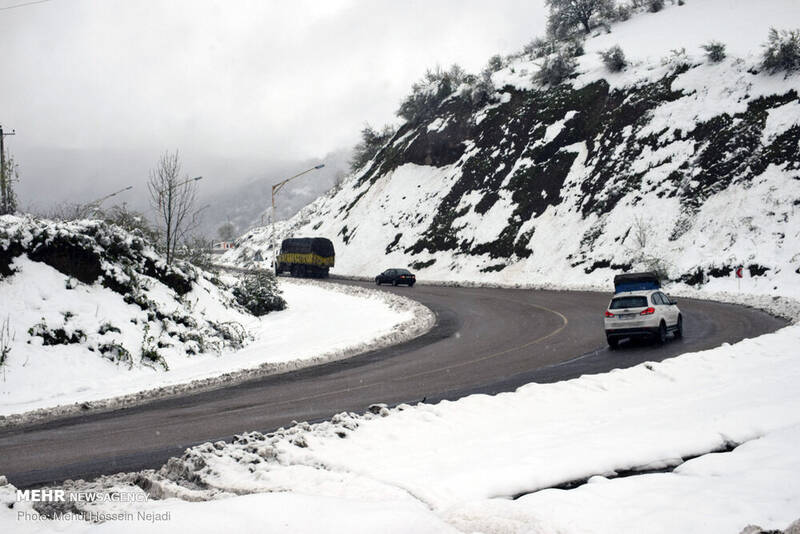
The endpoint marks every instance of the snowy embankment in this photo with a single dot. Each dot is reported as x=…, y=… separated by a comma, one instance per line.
x=135, y=329
x=38, y=388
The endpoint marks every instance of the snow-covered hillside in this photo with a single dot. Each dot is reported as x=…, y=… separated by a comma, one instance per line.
x=675, y=163
x=93, y=317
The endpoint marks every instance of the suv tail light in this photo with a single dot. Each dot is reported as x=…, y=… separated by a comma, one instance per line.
x=609, y=314
x=648, y=311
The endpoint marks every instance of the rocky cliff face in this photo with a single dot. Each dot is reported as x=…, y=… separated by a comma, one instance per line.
x=688, y=167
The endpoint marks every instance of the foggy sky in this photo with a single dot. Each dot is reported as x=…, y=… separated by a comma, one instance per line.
x=97, y=89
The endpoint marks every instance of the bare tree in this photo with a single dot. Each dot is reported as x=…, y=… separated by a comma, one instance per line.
x=227, y=231
x=172, y=197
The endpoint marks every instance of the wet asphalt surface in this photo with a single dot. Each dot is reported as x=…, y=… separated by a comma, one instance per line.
x=485, y=341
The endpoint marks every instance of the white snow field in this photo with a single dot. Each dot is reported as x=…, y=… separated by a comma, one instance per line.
x=321, y=323
x=269, y=513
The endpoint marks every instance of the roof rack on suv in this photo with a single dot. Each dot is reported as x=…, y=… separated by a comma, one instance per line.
x=636, y=282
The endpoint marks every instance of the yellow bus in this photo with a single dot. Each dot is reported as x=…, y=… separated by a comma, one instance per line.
x=306, y=257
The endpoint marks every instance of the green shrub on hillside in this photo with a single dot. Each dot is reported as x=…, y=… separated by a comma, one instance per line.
x=782, y=51
x=555, y=69
x=614, y=58
x=429, y=92
x=715, y=51
x=259, y=294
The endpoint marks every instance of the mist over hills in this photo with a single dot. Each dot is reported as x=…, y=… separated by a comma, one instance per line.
x=232, y=190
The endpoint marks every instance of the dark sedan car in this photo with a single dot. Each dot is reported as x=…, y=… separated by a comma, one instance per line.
x=396, y=277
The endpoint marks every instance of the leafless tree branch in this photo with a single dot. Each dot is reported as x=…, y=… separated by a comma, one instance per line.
x=172, y=197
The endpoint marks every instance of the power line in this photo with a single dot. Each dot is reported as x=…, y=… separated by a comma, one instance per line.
x=32, y=2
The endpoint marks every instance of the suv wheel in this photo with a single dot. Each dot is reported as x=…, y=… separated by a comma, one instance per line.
x=377, y=281
x=662, y=333
x=394, y=283
x=613, y=342
x=679, y=327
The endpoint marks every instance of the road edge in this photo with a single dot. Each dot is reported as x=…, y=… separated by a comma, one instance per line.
x=422, y=321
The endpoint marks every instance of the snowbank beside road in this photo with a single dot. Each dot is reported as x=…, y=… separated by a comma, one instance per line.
x=273, y=513
x=726, y=420
x=322, y=323
x=705, y=441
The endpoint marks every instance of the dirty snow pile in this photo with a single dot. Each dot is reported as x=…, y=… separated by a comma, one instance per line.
x=93, y=317
x=676, y=163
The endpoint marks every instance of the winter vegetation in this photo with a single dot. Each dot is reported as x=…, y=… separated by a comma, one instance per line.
x=172, y=196
x=371, y=142
x=6, y=338
x=258, y=293
x=555, y=68
x=226, y=231
x=782, y=51
x=93, y=312
x=96, y=257
x=614, y=58
x=426, y=94
x=715, y=51
x=567, y=15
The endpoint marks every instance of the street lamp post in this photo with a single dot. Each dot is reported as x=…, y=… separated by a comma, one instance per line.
x=275, y=189
x=197, y=212
x=171, y=188
x=96, y=204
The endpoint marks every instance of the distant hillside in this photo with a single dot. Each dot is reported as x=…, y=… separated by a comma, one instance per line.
x=244, y=204
x=675, y=163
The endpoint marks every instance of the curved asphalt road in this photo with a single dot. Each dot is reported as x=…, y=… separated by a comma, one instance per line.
x=485, y=341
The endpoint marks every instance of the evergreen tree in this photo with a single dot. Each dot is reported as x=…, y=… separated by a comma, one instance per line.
x=227, y=231
x=371, y=142
x=782, y=51
x=715, y=51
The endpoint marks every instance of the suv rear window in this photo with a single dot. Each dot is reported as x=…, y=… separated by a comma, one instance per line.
x=628, y=302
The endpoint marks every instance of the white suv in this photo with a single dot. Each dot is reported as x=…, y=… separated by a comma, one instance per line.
x=642, y=313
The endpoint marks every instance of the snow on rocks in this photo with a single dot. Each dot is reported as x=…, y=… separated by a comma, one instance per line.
x=691, y=168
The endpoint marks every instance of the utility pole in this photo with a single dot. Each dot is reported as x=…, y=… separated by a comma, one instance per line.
x=4, y=185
